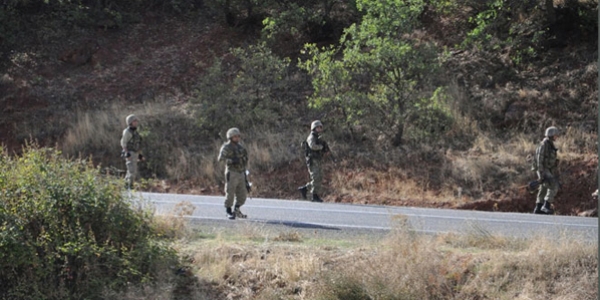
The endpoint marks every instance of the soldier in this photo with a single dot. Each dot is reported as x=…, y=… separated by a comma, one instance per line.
x=315, y=149
x=546, y=166
x=235, y=157
x=130, y=142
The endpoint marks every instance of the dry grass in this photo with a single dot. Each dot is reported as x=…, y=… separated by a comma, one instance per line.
x=249, y=264
x=100, y=131
x=577, y=142
x=392, y=184
x=169, y=145
x=270, y=148
x=173, y=225
x=403, y=176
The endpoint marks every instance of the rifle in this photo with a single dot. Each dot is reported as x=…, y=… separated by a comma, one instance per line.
x=328, y=152
x=248, y=183
x=534, y=185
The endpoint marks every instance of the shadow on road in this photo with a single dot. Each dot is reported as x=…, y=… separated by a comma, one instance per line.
x=300, y=225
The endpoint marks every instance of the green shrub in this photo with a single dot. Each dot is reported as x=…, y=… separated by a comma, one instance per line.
x=256, y=89
x=67, y=232
x=526, y=28
x=379, y=76
x=296, y=23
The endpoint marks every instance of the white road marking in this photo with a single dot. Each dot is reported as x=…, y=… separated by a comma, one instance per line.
x=360, y=212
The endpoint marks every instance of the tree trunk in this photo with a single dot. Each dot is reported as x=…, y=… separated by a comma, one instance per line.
x=550, y=12
x=397, y=139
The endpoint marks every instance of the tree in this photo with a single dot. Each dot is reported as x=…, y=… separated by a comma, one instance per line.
x=383, y=78
x=252, y=88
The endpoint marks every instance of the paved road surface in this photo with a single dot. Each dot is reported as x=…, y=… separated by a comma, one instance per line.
x=347, y=217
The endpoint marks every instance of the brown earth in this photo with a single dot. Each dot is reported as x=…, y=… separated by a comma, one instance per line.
x=148, y=61
x=104, y=67
x=573, y=198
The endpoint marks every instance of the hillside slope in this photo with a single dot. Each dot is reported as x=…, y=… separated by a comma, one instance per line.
x=74, y=93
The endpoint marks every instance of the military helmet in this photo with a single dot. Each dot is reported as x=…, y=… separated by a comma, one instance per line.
x=315, y=124
x=130, y=119
x=233, y=132
x=551, y=131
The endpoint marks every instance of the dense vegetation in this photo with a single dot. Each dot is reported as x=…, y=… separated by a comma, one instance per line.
x=465, y=88
x=68, y=232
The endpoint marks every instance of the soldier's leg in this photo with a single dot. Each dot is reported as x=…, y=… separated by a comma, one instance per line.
x=240, y=191
x=131, y=164
x=552, y=189
x=309, y=186
x=313, y=171
x=317, y=178
x=240, y=194
x=229, y=190
x=541, y=193
x=304, y=189
x=539, y=201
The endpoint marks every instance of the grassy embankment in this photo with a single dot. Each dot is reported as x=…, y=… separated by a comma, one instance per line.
x=252, y=261
x=421, y=176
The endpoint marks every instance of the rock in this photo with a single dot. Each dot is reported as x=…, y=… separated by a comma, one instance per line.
x=589, y=213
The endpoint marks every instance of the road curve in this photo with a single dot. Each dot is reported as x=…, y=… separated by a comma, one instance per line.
x=336, y=216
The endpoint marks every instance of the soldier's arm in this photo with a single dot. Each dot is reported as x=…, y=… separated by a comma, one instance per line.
x=313, y=143
x=125, y=139
x=223, y=154
x=541, y=158
x=226, y=154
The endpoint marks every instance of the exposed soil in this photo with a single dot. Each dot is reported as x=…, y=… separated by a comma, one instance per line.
x=574, y=197
x=94, y=70
x=148, y=61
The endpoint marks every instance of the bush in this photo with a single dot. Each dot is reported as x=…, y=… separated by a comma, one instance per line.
x=380, y=76
x=256, y=89
x=525, y=29
x=67, y=232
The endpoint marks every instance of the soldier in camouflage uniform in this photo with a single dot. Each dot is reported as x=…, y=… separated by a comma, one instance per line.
x=316, y=149
x=235, y=157
x=546, y=166
x=131, y=142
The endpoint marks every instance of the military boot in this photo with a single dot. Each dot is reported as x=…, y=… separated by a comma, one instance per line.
x=303, y=189
x=538, y=209
x=239, y=214
x=547, y=209
x=230, y=214
x=316, y=198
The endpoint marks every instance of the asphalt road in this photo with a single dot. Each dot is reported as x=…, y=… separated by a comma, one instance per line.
x=348, y=217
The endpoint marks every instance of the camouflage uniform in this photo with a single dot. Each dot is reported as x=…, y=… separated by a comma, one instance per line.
x=547, y=172
x=235, y=157
x=317, y=148
x=131, y=142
